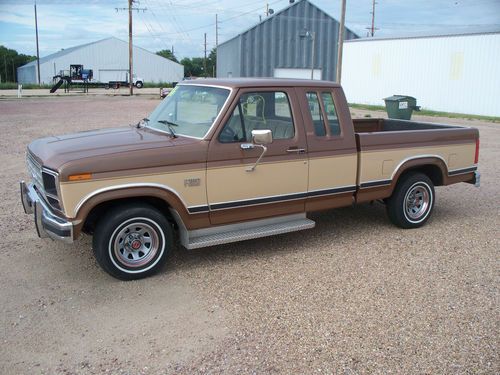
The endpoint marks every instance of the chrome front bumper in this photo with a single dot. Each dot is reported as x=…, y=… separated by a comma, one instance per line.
x=47, y=223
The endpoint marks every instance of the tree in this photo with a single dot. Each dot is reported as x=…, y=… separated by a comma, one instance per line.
x=166, y=53
x=10, y=60
x=194, y=67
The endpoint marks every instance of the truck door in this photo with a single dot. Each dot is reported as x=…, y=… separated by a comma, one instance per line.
x=278, y=184
x=331, y=147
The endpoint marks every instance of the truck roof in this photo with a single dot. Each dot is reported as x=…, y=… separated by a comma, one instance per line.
x=260, y=82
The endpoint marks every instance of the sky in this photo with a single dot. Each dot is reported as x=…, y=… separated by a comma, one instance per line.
x=182, y=23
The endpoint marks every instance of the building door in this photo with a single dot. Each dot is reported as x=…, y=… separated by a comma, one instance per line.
x=278, y=184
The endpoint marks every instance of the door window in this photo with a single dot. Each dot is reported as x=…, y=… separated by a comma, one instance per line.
x=259, y=110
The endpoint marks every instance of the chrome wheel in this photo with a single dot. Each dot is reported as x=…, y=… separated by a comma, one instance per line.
x=417, y=202
x=136, y=244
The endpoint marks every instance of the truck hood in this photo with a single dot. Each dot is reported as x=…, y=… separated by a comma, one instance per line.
x=112, y=150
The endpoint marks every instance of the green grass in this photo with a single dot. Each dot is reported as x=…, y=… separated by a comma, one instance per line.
x=27, y=86
x=157, y=84
x=426, y=112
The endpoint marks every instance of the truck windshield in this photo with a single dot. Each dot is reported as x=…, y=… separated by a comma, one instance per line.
x=191, y=109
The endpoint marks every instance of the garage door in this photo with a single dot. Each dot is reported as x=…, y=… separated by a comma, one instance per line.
x=296, y=73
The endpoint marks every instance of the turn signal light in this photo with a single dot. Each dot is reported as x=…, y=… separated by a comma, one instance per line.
x=80, y=177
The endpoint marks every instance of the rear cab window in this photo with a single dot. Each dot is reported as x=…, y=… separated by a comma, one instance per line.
x=323, y=113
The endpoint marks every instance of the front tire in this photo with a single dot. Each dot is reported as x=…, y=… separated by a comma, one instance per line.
x=411, y=203
x=139, y=84
x=131, y=242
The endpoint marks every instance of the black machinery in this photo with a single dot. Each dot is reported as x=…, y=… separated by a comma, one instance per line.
x=75, y=74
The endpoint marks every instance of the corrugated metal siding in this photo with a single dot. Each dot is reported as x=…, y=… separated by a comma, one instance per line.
x=453, y=73
x=108, y=54
x=275, y=43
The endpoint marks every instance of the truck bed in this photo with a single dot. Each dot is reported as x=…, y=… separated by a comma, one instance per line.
x=384, y=145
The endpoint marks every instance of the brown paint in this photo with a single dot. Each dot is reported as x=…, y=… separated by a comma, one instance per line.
x=236, y=215
x=415, y=138
x=329, y=202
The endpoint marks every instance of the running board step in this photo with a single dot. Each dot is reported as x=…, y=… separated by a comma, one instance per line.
x=246, y=231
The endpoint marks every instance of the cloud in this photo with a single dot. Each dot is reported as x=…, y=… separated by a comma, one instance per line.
x=182, y=23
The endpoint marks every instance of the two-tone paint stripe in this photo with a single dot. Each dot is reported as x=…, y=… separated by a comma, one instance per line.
x=462, y=171
x=271, y=199
x=302, y=195
x=376, y=183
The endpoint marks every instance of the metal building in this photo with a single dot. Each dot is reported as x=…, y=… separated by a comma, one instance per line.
x=451, y=73
x=108, y=58
x=282, y=46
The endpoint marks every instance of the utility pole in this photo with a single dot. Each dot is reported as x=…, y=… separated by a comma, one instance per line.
x=13, y=71
x=130, y=50
x=341, y=42
x=216, y=43
x=216, y=31
x=37, y=49
x=5, y=67
x=313, y=36
x=372, y=29
x=130, y=45
x=205, y=60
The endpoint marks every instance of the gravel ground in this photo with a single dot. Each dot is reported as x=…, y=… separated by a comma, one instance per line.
x=355, y=295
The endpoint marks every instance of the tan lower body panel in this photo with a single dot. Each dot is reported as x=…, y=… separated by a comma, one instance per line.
x=383, y=164
x=74, y=194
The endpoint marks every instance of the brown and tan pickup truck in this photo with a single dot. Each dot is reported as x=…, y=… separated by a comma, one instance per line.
x=220, y=161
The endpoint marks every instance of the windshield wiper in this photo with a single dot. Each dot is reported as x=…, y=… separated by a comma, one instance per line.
x=144, y=121
x=169, y=125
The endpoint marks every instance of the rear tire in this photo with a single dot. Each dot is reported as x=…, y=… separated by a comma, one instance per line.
x=412, y=201
x=131, y=242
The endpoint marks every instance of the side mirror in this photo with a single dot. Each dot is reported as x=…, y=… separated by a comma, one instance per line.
x=262, y=137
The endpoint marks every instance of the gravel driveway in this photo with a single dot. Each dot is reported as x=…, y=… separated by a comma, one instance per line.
x=355, y=295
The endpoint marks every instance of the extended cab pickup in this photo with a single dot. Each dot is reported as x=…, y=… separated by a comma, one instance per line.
x=220, y=161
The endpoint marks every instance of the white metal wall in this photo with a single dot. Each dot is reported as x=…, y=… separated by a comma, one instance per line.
x=450, y=73
x=111, y=54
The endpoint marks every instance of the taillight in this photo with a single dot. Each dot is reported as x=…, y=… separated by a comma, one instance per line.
x=476, y=157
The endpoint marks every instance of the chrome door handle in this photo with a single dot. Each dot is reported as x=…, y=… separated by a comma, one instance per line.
x=297, y=150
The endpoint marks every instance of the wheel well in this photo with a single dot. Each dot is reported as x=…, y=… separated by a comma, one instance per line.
x=430, y=170
x=96, y=212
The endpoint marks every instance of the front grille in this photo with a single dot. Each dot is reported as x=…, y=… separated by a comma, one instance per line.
x=35, y=171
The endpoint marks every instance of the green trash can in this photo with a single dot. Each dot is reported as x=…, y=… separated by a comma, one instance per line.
x=401, y=106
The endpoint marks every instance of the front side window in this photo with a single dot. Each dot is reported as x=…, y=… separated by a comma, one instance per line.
x=189, y=110
x=259, y=110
